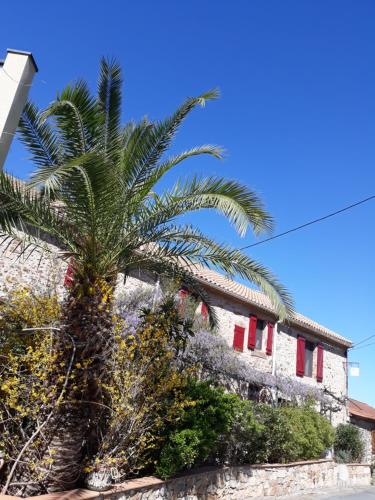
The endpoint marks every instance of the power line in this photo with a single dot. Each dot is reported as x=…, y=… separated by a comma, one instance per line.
x=363, y=346
x=362, y=341
x=309, y=223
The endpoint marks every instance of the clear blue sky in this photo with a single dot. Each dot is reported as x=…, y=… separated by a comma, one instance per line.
x=297, y=117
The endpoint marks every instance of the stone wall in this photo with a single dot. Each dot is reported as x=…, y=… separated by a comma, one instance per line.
x=366, y=428
x=240, y=483
x=41, y=270
x=334, y=371
x=235, y=483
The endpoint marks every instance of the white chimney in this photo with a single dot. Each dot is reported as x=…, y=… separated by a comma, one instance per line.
x=16, y=75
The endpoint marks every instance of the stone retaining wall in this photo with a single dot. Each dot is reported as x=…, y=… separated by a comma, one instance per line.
x=235, y=483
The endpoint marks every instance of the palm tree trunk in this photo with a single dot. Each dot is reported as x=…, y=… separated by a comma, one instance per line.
x=87, y=321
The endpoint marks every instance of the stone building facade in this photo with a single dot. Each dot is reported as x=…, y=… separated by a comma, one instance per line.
x=362, y=416
x=301, y=349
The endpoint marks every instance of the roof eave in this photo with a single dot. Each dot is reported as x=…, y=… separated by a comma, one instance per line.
x=268, y=310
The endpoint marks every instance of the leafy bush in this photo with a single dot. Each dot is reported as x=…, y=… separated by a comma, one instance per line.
x=217, y=425
x=263, y=434
x=311, y=433
x=348, y=444
x=206, y=414
x=241, y=444
x=275, y=440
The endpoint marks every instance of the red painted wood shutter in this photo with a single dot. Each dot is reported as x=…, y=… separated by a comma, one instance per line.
x=69, y=275
x=252, y=332
x=300, y=371
x=204, y=311
x=238, y=338
x=182, y=294
x=269, y=338
x=319, y=367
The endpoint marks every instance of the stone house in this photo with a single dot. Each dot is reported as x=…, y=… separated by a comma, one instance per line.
x=300, y=351
x=362, y=416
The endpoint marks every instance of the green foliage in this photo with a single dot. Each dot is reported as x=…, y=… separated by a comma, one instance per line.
x=207, y=414
x=311, y=433
x=181, y=452
x=222, y=427
x=241, y=444
x=274, y=442
x=348, y=444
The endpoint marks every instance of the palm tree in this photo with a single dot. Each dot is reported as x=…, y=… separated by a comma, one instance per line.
x=94, y=195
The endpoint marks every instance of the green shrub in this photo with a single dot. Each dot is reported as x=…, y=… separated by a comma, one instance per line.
x=206, y=414
x=276, y=438
x=242, y=441
x=348, y=444
x=214, y=425
x=181, y=451
x=263, y=434
x=311, y=433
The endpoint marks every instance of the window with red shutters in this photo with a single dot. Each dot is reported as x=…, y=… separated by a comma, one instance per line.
x=300, y=368
x=238, y=338
x=251, y=340
x=270, y=327
x=320, y=361
x=204, y=311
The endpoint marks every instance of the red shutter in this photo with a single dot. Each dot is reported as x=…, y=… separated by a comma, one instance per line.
x=238, y=338
x=300, y=356
x=182, y=294
x=269, y=338
x=319, y=368
x=204, y=311
x=69, y=275
x=252, y=332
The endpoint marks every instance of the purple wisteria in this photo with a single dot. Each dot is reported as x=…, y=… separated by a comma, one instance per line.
x=215, y=356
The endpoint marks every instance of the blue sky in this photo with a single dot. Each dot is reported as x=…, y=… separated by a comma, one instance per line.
x=296, y=116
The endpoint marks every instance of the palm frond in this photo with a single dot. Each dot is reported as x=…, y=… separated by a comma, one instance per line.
x=109, y=100
x=26, y=210
x=197, y=249
x=236, y=202
x=38, y=136
x=142, y=158
x=76, y=115
x=169, y=163
x=173, y=271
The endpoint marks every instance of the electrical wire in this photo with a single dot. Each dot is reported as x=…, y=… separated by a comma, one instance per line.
x=332, y=214
x=362, y=341
x=362, y=346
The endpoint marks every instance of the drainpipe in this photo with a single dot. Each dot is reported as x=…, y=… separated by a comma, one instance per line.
x=274, y=348
x=274, y=366
x=16, y=74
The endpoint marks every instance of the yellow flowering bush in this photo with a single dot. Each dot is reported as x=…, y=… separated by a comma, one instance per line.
x=142, y=387
x=145, y=389
x=28, y=364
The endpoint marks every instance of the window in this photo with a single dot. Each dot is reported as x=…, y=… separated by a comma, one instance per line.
x=305, y=357
x=259, y=334
x=309, y=357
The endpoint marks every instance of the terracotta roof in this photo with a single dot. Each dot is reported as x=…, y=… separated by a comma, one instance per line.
x=258, y=299
x=362, y=410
